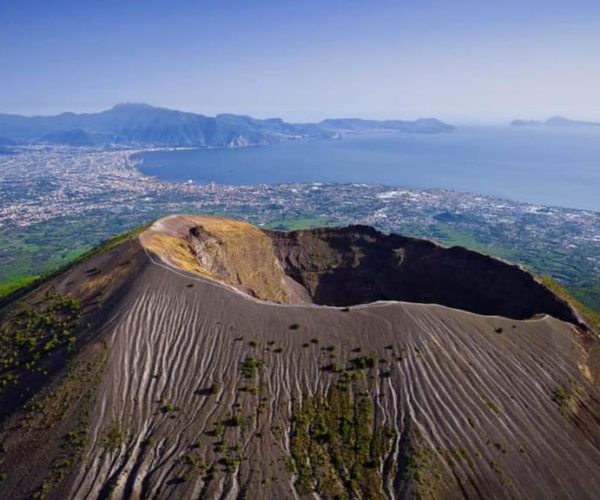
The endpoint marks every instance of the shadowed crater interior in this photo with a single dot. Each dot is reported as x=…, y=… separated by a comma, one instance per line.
x=358, y=264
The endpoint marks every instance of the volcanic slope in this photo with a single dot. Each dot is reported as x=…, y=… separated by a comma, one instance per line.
x=205, y=358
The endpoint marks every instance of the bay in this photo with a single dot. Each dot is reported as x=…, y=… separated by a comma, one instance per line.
x=556, y=167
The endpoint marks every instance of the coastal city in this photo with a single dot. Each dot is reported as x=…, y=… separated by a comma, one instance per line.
x=57, y=202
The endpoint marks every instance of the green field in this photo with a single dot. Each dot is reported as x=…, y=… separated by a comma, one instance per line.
x=296, y=224
x=450, y=236
x=16, y=283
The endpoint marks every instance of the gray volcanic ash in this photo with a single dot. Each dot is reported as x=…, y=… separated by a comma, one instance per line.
x=206, y=358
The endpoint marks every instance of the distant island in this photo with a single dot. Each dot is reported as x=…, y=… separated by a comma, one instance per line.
x=554, y=121
x=145, y=125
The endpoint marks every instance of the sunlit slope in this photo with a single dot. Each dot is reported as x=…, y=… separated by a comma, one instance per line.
x=233, y=252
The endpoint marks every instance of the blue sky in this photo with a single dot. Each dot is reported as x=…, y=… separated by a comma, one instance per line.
x=460, y=60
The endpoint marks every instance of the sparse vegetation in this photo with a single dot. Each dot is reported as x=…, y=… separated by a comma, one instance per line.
x=362, y=362
x=76, y=390
x=335, y=434
x=333, y=368
x=219, y=429
x=500, y=446
x=250, y=367
x=113, y=437
x=502, y=476
x=423, y=467
x=230, y=462
x=33, y=332
x=490, y=404
x=576, y=386
x=561, y=396
x=235, y=421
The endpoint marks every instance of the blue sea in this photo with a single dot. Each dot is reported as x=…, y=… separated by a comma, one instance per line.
x=557, y=167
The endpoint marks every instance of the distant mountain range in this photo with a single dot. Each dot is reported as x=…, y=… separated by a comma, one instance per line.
x=142, y=124
x=357, y=125
x=555, y=121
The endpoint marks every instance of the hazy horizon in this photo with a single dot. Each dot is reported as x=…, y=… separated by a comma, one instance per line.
x=458, y=122
x=462, y=63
